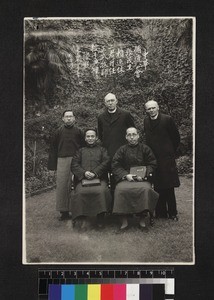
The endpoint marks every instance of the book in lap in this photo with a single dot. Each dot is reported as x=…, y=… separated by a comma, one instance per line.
x=91, y=182
x=138, y=171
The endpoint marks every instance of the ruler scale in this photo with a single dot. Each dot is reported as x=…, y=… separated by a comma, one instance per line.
x=134, y=281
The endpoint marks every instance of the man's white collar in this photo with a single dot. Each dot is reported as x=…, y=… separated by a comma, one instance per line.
x=155, y=117
x=112, y=111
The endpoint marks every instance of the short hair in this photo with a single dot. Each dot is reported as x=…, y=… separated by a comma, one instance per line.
x=151, y=101
x=67, y=111
x=133, y=128
x=93, y=129
x=110, y=95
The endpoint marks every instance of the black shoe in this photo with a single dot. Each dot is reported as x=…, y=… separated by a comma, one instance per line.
x=159, y=216
x=173, y=218
x=64, y=216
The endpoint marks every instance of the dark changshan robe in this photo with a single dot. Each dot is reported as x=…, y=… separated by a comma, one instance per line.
x=93, y=200
x=133, y=197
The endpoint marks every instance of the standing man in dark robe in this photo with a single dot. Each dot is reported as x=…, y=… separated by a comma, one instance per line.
x=65, y=142
x=112, y=125
x=163, y=138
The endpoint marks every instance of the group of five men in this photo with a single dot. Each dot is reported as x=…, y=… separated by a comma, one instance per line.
x=119, y=151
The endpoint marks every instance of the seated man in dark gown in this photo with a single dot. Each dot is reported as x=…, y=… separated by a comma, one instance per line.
x=90, y=162
x=133, y=194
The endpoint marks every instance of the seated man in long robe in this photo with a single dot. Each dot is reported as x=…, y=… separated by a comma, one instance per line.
x=90, y=162
x=133, y=194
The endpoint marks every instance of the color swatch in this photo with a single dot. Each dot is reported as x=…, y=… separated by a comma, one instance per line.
x=130, y=291
x=106, y=284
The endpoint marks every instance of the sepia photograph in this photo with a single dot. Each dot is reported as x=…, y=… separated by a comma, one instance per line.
x=109, y=140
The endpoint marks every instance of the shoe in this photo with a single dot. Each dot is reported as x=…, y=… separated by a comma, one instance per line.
x=152, y=221
x=143, y=228
x=100, y=226
x=142, y=222
x=84, y=225
x=122, y=229
x=64, y=216
x=173, y=218
x=161, y=216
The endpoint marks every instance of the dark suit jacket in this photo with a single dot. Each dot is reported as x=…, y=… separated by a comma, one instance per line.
x=112, y=129
x=163, y=138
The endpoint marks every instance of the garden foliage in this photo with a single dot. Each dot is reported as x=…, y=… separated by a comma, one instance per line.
x=54, y=81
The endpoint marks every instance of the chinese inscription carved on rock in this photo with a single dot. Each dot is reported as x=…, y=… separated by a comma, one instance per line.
x=101, y=61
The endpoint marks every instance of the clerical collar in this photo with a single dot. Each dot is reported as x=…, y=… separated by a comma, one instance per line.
x=112, y=111
x=155, y=117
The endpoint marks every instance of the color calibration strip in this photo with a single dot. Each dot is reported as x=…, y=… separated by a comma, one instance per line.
x=108, y=284
x=106, y=292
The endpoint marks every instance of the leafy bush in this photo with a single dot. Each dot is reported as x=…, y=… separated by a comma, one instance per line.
x=43, y=180
x=167, y=79
x=184, y=164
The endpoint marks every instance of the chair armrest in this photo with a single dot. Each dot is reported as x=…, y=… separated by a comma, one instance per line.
x=72, y=182
x=109, y=180
x=150, y=179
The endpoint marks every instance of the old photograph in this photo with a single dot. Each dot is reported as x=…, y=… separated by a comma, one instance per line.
x=109, y=136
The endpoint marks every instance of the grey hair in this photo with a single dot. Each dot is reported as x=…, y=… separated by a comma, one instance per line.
x=155, y=102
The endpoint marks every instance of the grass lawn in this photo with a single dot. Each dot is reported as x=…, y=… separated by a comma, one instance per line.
x=50, y=241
